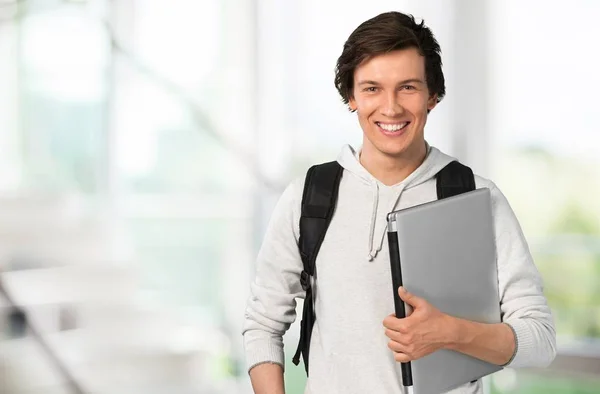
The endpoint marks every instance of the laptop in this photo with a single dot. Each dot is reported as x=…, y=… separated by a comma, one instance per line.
x=445, y=252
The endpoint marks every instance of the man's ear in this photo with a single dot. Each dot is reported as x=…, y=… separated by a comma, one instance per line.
x=352, y=104
x=432, y=102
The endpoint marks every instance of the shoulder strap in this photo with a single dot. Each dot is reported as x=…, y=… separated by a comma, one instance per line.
x=318, y=204
x=454, y=179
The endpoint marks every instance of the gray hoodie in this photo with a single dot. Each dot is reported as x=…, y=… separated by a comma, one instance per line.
x=349, y=352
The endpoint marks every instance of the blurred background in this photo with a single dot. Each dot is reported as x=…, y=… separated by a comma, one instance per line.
x=144, y=143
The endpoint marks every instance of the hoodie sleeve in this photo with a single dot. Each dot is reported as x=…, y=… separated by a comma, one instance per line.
x=271, y=306
x=523, y=305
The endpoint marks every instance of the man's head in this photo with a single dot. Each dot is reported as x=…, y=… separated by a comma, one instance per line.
x=390, y=73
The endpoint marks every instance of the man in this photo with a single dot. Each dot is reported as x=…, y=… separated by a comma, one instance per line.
x=390, y=74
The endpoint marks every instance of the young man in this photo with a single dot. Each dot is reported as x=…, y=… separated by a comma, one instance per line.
x=390, y=74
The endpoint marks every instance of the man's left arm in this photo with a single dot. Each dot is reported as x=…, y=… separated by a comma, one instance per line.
x=427, y=330
x=525, y=338
x=523, y=305
x=494, y=343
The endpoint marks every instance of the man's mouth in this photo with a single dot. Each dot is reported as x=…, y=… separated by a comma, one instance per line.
x=392, y=127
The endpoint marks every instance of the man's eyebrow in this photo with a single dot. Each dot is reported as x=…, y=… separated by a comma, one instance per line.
x=368, y=82
x=410, y=80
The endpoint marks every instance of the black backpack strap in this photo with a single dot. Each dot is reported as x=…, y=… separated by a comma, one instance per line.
x=318, y=204
x=454, y=179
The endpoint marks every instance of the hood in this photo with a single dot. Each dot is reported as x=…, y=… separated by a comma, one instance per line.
x=434, y=161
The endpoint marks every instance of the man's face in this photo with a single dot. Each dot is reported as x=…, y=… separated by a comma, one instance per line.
x=391, y=99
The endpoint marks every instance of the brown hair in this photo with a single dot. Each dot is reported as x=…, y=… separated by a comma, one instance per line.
x=385, y=33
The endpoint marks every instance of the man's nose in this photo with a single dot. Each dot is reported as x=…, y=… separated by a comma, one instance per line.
x=391, y=106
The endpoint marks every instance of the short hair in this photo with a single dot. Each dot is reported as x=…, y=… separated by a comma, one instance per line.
x=382, y=34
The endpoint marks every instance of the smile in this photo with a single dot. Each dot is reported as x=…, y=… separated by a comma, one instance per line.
x=392, y=127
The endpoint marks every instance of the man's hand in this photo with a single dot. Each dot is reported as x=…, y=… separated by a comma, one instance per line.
x=423, y=332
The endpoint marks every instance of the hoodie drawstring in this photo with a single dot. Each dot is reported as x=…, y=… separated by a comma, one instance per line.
x=375, y=190
x=373, y=252
x=349, y=158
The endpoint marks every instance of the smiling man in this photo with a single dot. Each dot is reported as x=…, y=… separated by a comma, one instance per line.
x=390, y=75
x=390, y=94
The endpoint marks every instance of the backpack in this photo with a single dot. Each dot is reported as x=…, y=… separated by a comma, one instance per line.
x=318, y=205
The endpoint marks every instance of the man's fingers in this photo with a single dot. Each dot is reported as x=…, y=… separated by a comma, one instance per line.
x=410, y=298
x=395, y=346
x=402, y=352
x=393, y=323
x=401, y=357
x=390, y=321
x=397, y=336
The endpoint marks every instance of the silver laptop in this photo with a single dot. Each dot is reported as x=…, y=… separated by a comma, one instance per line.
x=445, y=252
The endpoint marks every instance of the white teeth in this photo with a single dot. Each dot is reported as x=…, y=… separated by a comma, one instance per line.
x=392, y=127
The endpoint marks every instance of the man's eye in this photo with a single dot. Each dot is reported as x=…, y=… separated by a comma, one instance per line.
x=407, y=87
x=371, y=89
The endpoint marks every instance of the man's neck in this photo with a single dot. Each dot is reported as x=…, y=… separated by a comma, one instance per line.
x=392, y=170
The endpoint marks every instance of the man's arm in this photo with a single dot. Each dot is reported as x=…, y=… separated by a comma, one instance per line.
x=271, y=306
x=427, y=329
x=524, y=310
x=494, y=343
x=522, y=302
x=267, y=378
x=525, y=338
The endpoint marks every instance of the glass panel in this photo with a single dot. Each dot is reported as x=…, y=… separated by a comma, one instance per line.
x=169, y=138
x=64, y=61
x=546, y=161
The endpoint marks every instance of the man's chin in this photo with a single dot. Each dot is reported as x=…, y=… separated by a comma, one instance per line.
x=402, y=150
x=395, y=150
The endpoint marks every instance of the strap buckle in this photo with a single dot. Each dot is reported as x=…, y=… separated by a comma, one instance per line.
x=305, y=280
